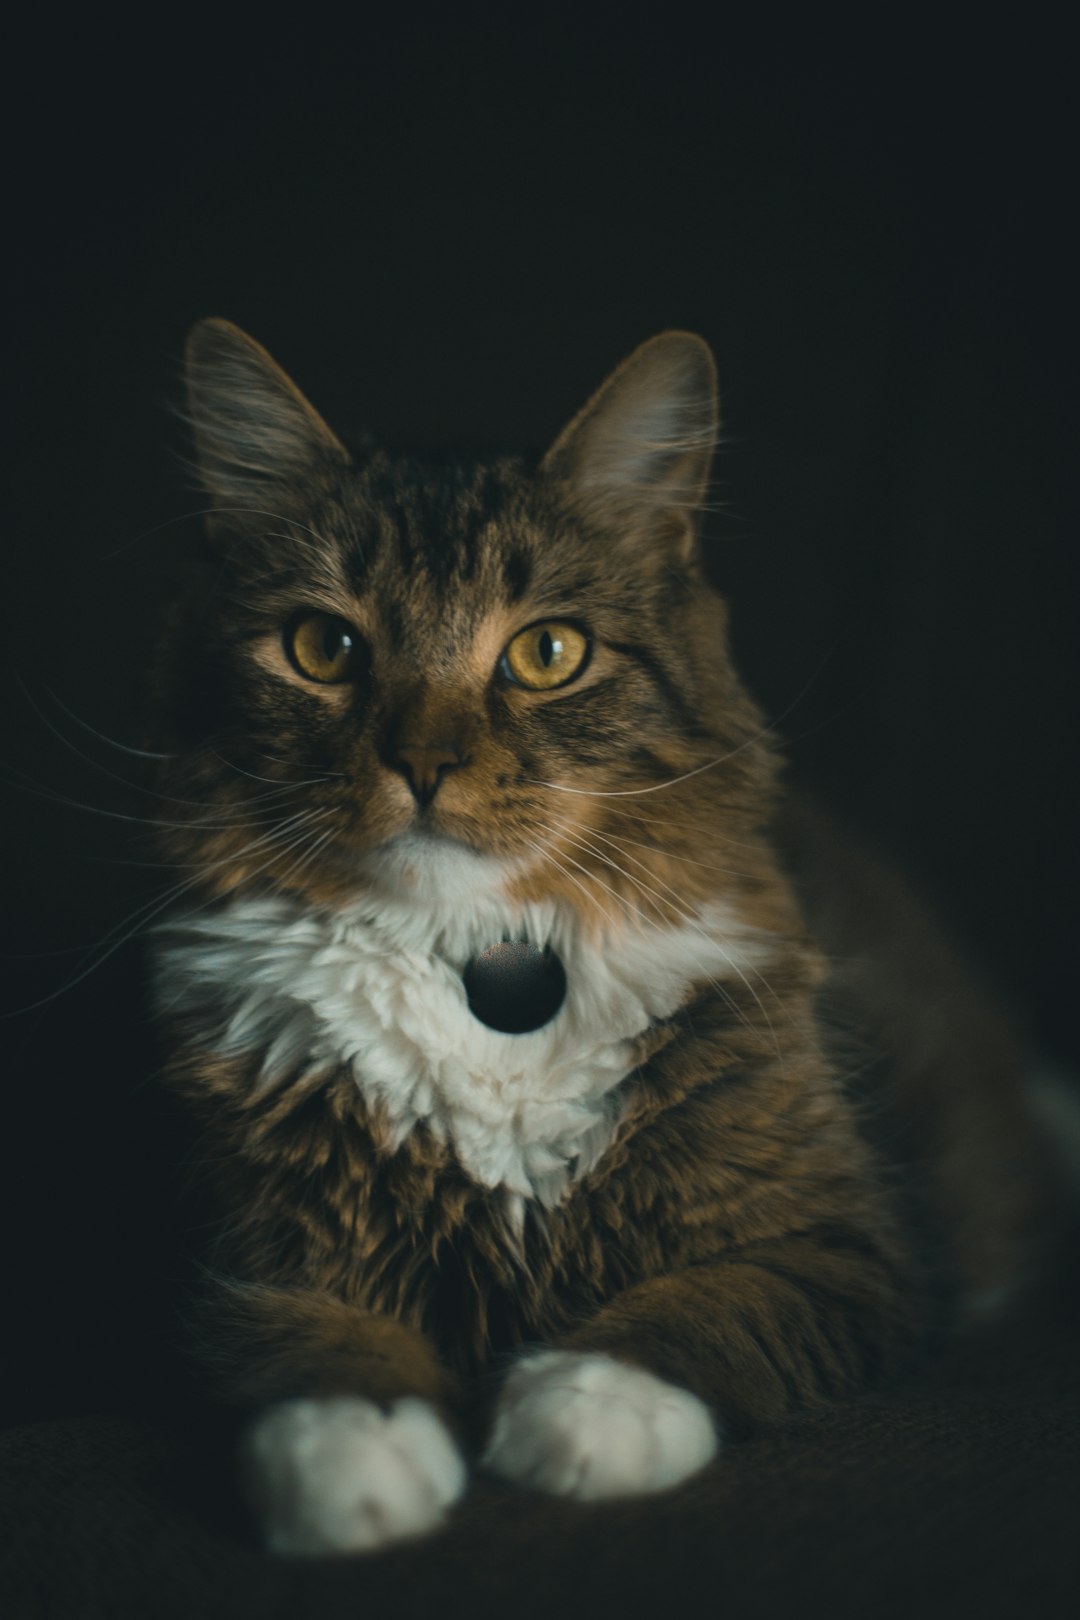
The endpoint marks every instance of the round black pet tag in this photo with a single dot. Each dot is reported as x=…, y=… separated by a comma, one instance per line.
x=515, y=987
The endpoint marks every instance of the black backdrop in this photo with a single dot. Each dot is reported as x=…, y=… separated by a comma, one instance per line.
x=448, y=224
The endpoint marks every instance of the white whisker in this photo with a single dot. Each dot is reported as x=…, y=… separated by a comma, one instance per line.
x=695, y=925
x=654, y=787
x=669, y=854
x=546, y=854
x=111, y=742
x=686, y=776
x=51, y=796
x=126, y=782
x=694, y=922
x=144, y=914
x=310, y=781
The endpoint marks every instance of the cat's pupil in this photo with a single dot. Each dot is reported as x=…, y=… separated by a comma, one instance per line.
x=546, y=649
x=334, y=642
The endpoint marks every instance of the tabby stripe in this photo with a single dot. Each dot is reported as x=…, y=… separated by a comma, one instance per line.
x=517, y=569
x=663, y=682
x=769, y=1355
x=811, y=1350
x=825, y=1239
x=845, y=1238
x=818, y=1295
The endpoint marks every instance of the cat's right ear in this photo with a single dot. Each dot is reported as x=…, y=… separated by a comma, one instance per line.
x=256, y=436
x=636, y=460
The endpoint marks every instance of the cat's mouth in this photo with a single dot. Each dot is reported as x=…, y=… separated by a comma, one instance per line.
x=423, y=865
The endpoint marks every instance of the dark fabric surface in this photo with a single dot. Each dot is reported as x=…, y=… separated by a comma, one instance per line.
x=955, y=1493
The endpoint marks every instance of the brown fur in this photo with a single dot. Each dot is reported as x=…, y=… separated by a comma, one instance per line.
x=741, y=1236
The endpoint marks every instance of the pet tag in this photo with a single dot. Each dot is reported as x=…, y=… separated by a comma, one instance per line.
x=515, y=987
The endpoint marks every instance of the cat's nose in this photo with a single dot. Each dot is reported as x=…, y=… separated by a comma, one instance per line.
x=424, y=765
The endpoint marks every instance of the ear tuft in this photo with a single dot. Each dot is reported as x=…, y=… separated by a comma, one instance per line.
x=643, y=446
x=253, y=428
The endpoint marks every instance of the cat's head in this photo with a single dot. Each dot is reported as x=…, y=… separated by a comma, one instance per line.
x=444, y=678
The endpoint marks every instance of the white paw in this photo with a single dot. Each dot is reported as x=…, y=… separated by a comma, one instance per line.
x=590, y=1427
x=342, y=1476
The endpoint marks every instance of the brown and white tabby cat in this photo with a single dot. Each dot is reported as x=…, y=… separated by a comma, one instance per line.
x=417, y=710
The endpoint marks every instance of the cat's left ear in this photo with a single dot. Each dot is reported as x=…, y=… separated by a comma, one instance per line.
x=256, y=436
x=637, y=458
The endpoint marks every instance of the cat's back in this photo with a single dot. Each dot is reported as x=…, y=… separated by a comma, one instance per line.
x=935, y=1061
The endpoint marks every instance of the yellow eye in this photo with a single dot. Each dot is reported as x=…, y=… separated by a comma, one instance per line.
x=546, y=655
x=323, y=647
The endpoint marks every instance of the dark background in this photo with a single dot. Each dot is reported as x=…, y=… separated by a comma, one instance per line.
x=448, y=225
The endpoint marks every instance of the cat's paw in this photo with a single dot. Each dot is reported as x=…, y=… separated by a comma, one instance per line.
x=590, y=1427
x=341, y=1475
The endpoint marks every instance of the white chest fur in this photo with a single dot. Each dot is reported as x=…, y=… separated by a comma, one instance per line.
x=377, y=986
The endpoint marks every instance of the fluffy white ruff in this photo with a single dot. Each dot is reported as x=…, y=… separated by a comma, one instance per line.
x=590, y=1427
x=377, y=986
x=342, y=1476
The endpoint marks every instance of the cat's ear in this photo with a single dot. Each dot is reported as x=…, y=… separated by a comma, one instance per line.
x=638, y=456
x=255, y=433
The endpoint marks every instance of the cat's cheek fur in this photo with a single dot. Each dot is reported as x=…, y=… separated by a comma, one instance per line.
x=590, y=1427
x=341, y=1475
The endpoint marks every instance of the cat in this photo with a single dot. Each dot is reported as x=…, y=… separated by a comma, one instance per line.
x=764, y=1140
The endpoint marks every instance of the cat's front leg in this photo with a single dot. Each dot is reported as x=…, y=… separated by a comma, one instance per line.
x=645, y=1393
x=350, y=1447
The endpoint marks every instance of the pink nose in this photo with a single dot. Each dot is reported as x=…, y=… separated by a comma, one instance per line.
x=424, y=766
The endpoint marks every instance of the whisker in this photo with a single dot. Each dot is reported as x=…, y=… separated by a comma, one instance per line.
x=719, y=988
x=211, y=511
x=694, y=923
x=311, y=781
x=94, y=764
x=52, y=796
x=111, y=742
x=306, y=858
x=654, y=787
x=706, y=829
x=709, y=765
x=205, y=868
x=300, y=765
x=144, y=914
x=622, y=901
x=124, y=781
x=669, y=854
x=545, y=854
x=680, y=905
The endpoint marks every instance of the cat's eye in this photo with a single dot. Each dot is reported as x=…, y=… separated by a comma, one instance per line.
x=546, y=655
x=323, y=647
